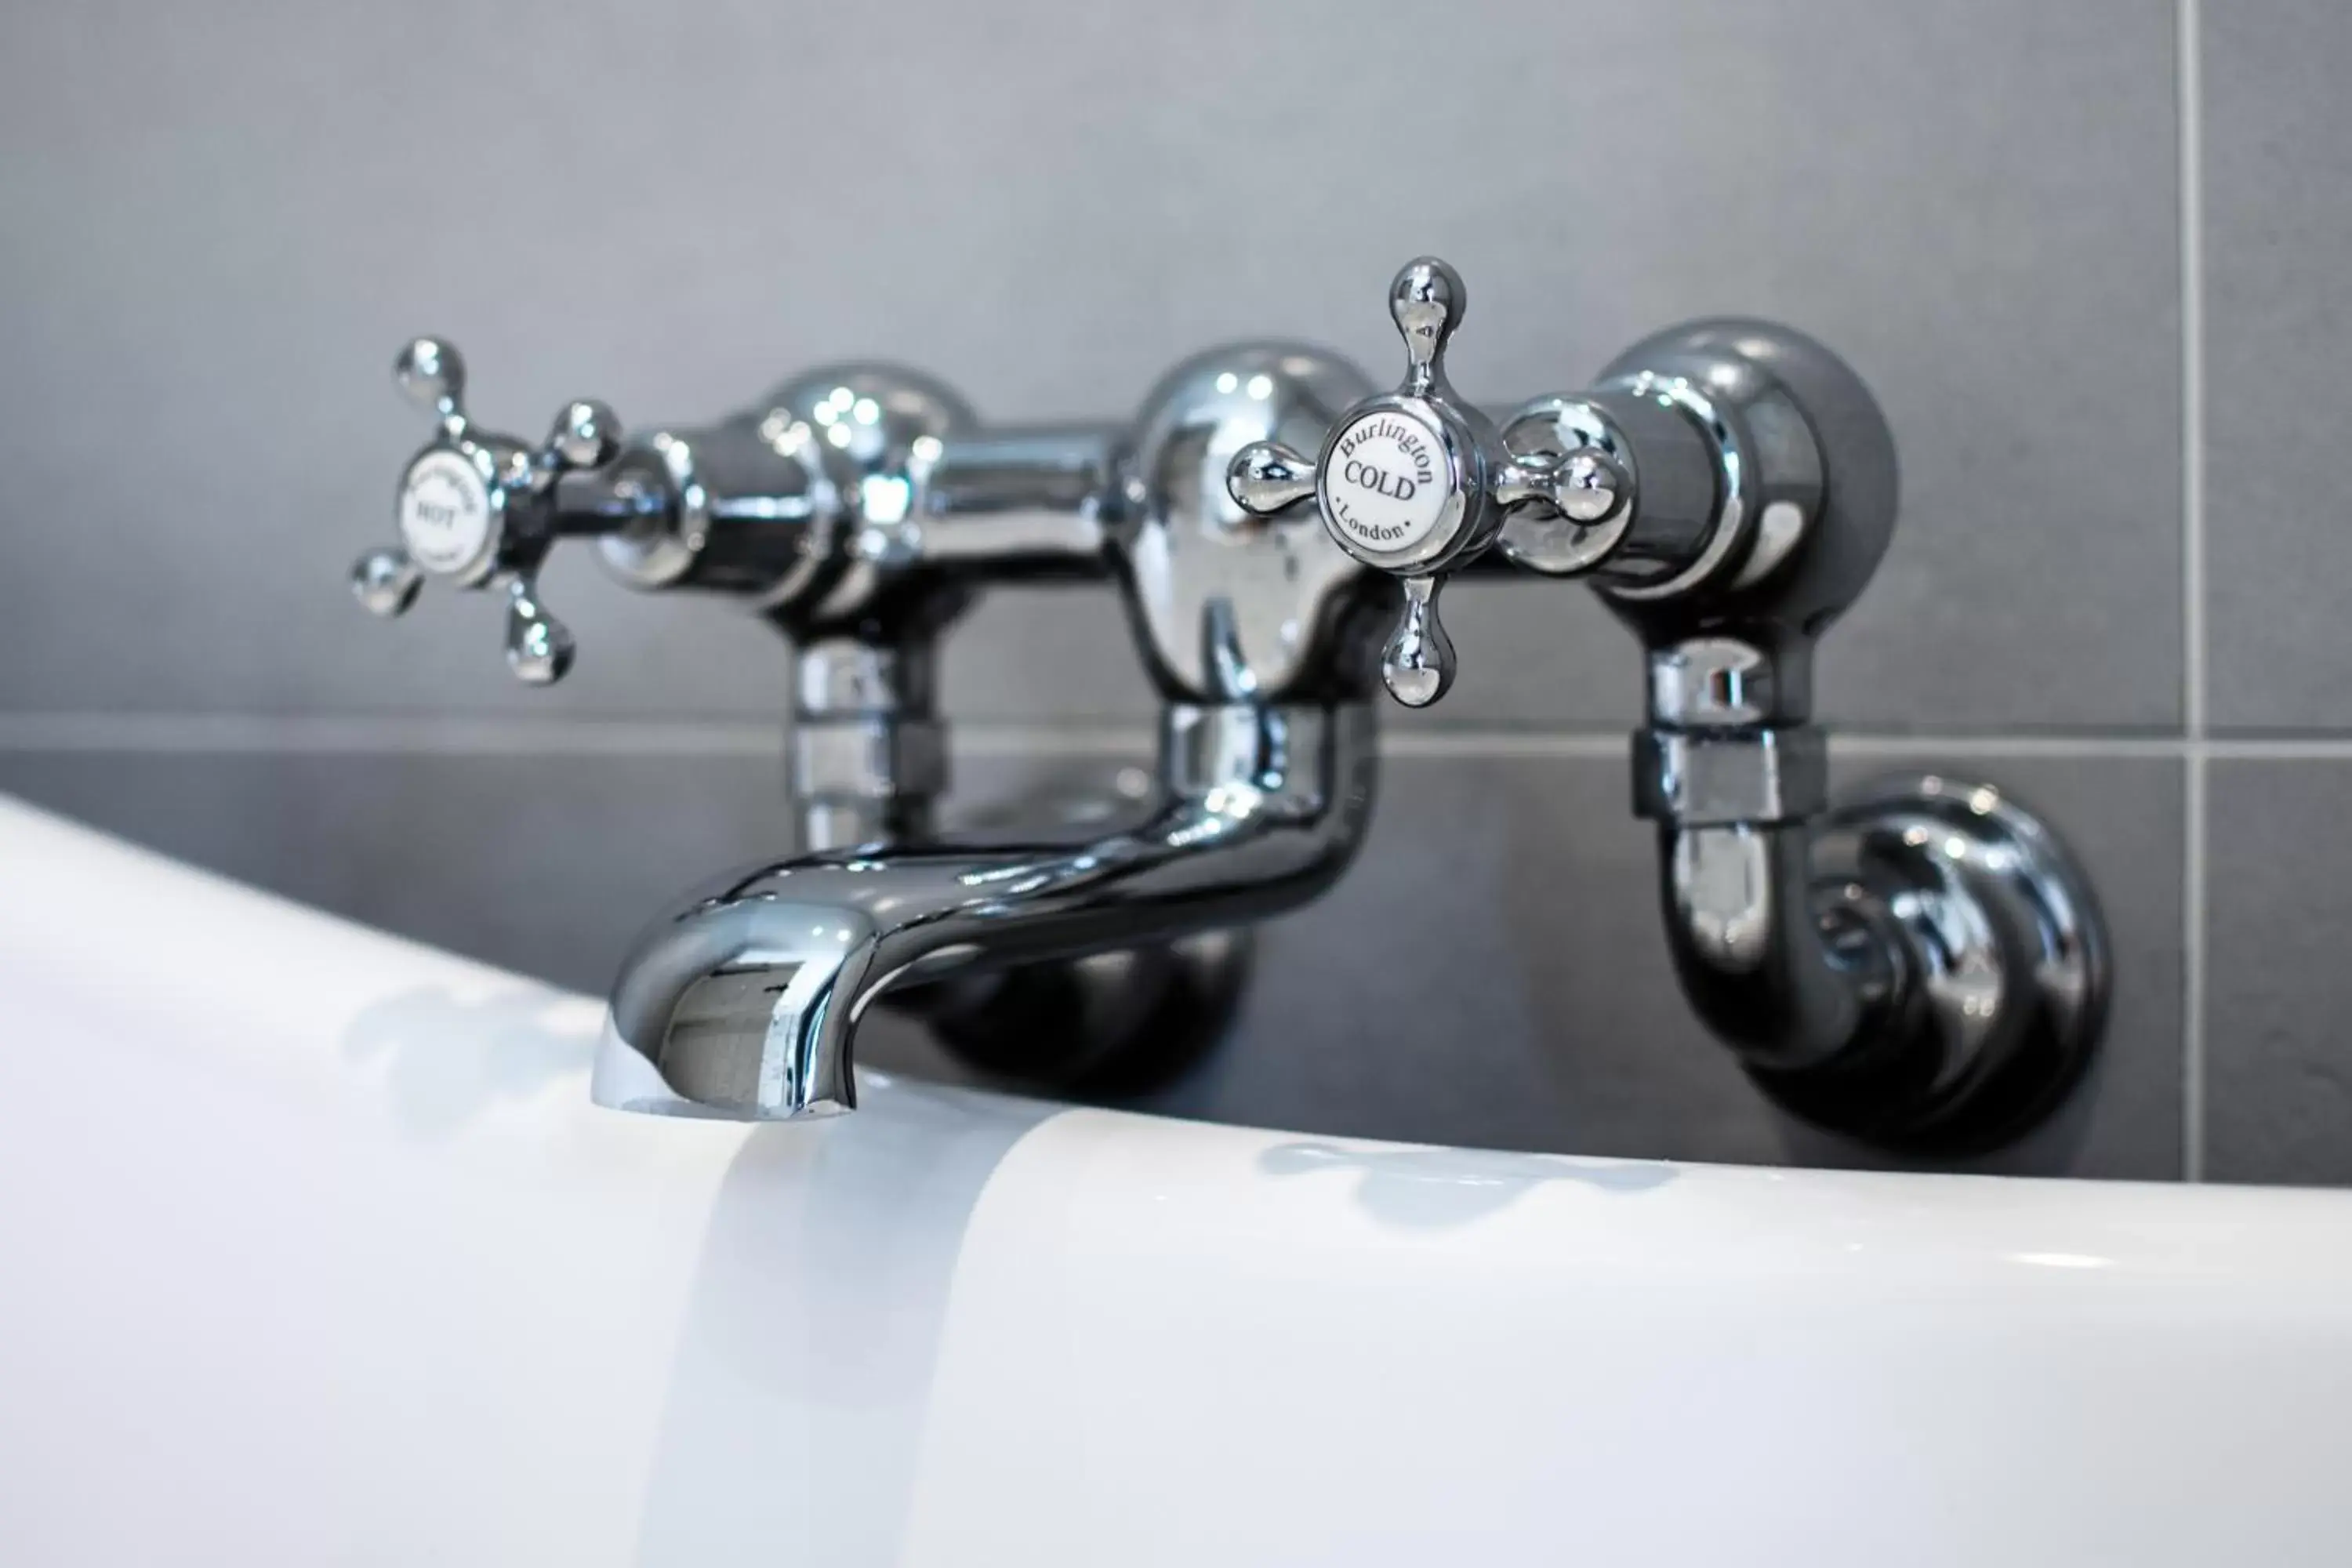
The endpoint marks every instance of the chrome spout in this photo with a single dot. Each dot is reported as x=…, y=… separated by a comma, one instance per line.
x=743, y=1001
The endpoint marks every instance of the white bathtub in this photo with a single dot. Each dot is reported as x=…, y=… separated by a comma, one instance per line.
x=313, y=1250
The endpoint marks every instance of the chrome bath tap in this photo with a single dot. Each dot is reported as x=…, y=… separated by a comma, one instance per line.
x=1921, y=964
x=860, y=511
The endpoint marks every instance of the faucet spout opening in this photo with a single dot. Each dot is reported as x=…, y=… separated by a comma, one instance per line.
x=742, y=1002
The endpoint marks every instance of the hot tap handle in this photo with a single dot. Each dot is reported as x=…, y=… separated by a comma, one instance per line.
x=477, y=508
x=1415, y=482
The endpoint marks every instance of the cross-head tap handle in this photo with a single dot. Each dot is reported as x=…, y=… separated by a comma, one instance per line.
x=478, y=509
x=1415, y=482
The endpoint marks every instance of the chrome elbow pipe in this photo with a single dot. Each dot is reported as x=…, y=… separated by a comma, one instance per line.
x=1921, y=964
x=744, y=1002
x=1922, y=967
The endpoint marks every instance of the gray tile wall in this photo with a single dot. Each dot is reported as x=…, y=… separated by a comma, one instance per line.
x=219, y=224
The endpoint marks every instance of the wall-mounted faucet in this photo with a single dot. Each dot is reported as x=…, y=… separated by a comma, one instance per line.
x=1922, y=964
x=860, y=510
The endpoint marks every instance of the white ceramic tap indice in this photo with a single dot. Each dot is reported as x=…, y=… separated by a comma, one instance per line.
x=312, y=1249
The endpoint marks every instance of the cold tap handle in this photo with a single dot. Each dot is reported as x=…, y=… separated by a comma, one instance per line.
x=1415, y=482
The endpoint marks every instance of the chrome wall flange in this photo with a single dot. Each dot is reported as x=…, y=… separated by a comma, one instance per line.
x=2000, y=976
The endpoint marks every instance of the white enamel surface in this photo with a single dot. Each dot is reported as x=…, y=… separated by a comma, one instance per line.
x=313, y=1250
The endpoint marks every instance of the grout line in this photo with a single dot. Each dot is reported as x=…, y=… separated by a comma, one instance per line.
x=434, y=735
x=1597, y=744
x=2094, y=744
x=2192, y=388
x=493, y=735
x=2193, y=798
x=2269, y=749
x=1611, y=743
x=2197, y=752
x=497, y=735
x=502, y=735
x=968, y=739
